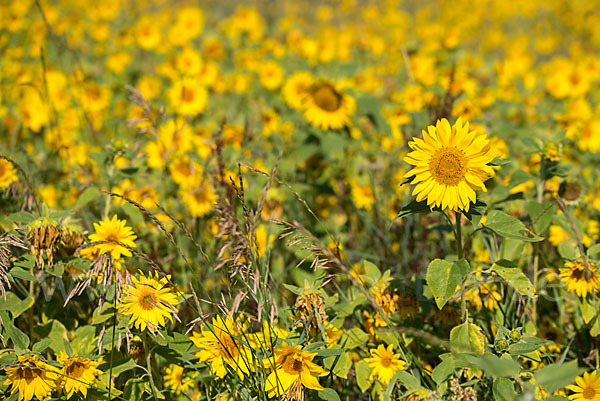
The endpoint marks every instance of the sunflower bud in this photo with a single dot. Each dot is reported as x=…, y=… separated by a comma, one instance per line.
x=43, y=236
x=501, y=345
x=310, y=307
x=552, y=151
x=137, y=351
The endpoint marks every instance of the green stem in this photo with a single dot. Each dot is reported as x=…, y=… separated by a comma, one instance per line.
x=149, y=364
x=459, y=245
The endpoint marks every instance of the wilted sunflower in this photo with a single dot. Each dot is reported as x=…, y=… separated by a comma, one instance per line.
x=293, y=369
x=451, y=163
x=149, y=302
x=326, y=107
x=385, y=363
x=31, y=377
x=113, y=230
x=77, y=374
x=579, y=279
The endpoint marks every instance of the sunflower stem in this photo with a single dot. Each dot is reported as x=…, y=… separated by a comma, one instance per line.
x=459, y=246
x=149, y=364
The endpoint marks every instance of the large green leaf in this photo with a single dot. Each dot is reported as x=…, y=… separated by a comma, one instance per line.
x=467, y=337
x=515, y=277
x=555, y=376
x=509, y=227
x=444, y=277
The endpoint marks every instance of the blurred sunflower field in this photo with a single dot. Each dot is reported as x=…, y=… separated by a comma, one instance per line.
x=299, y=200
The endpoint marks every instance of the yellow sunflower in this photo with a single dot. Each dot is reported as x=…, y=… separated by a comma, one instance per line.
x=188, y=97
x=385, y=363
x=199, y=200
x=174, y=379
x=113, y=230
x=220, y=344
x=292, y=370
x=295, y=89
x=8, y=174
x=579, y=279
x=326, y=107
x=77, y=374
x=31, y=377
x=149, y=302
x=586, y=387
x=451, y=163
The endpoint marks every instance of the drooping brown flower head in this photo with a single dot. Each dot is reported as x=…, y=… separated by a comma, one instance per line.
x=43, y=236
x=310, y=308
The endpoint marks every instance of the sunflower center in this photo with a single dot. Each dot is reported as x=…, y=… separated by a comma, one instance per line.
x=578, y=274
x=229, y=347
x=187, y=95
x=588, y=393
x=448, y=166
x=76, y=369
x=148, y=301
x=292, y=365
x=386, y=361
x=326, y=97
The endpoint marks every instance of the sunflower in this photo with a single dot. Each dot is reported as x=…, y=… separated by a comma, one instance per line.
x=149, y=302
x=200, y=200
x=326, y=107
x=450, y=164
x=188, y=97
x=116, y=232
x=586, y=387
x=293, y=369
x=295, y=89
x=384, y=363
x=220, y=345
x=579, y=279
x=8, y=174
x=175, y=380
x=31, y=377
x=77, y=374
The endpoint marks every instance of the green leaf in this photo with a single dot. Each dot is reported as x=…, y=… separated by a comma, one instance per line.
x=409, y=381
x=594, y=251
x=588, y=310
x=119, y=366
x=23, y=274
x=555, y=376
x=362, y=375
x=41, y=345
x=15, y=305
x=541, y=214
x=372, y=271
x=354, y=337
x=515, y=277
x=509, y=227
x=134, y=389
x=343, y=365
x=390, y=388
x=498, y=367
x=523, y=348
x=443, y=370
x=467, y=337
x=328, y=394
x=568, y=250
x=412, y=208
x=20, y=339
x=504, y=390
x=88, y=195
x=444, y=277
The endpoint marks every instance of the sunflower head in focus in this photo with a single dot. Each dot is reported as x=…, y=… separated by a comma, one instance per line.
x=149, y=302
x=586, y=387
x=327, y=107
x=385, y=363
x=114, y=232
x=580, y=279
x=451, y=163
